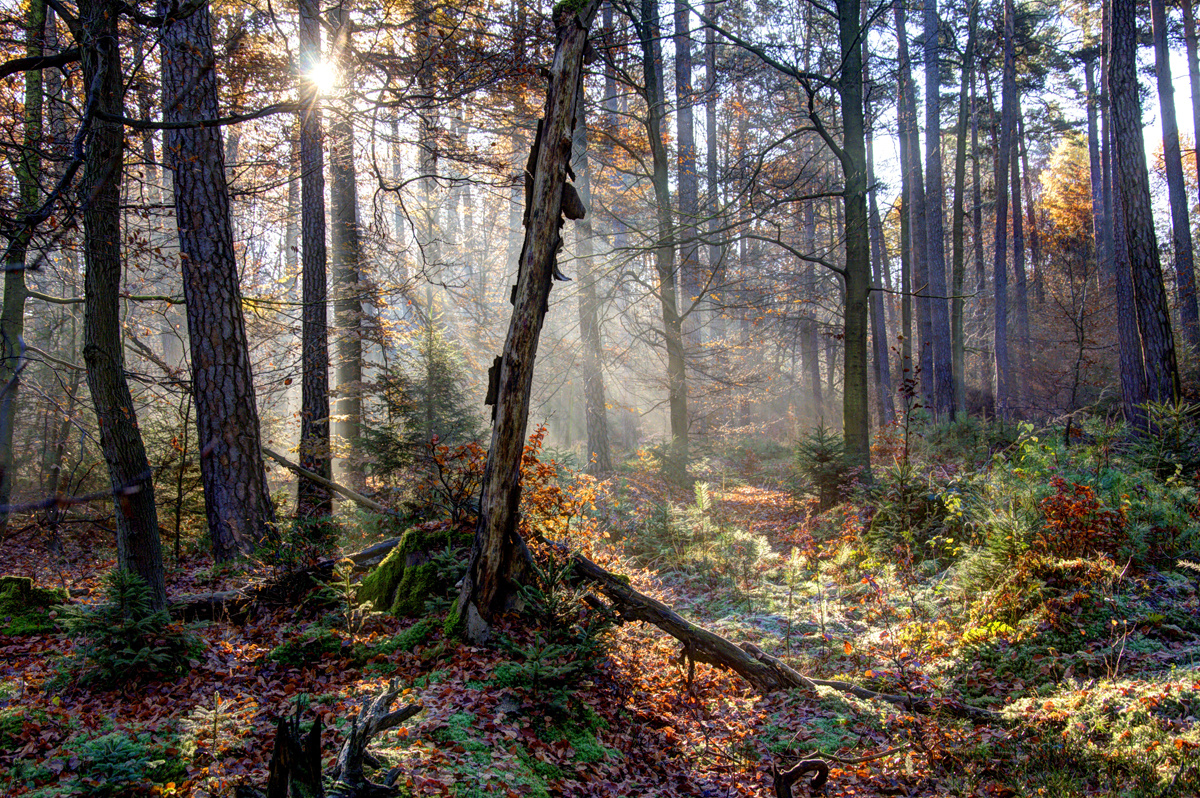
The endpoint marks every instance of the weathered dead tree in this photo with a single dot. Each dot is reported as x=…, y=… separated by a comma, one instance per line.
x=295, y=767
x=498, y=555
x=784, y=779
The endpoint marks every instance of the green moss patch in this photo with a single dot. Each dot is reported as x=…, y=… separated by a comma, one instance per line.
x=24, y=607
x=413, y=572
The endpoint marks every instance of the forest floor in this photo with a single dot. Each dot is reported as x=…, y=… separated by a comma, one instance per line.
x=1097, y=689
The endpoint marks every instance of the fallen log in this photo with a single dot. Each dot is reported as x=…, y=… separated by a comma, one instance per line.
x=288, y=588
x=764, y=672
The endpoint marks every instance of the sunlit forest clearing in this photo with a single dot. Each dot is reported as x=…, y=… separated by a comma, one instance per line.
x=595, y=398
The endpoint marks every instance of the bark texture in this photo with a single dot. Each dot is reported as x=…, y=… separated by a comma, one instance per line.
x=138, y=546
x=1133, y=182
x=237, y=498
x=1008, y=98
x=312, y=499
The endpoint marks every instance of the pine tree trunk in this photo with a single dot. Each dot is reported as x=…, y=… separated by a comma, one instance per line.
x=716, y=251
x=1133, y=182
x=687, y=179
x=986, y=372
x=664, y=248
x=855, y=414
x=1035, y=241
x=917, y=215
x=1005, y=387
x=958, y=230
x=1181, y=227
x=313, y=500
x=136, y=518
x=1020, y=297
x=1193, y=61
x=943, y=357
x=237, y=498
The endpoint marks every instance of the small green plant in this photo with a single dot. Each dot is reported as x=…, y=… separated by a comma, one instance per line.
x=124, y=638
x=742, y=554
x=821, y=463
x=310, y=646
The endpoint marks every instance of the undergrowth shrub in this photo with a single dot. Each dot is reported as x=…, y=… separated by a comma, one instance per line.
x=124, y=639
x=570, y=640
x=821, y=464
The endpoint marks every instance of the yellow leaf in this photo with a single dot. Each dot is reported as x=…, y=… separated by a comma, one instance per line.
x=846, y=647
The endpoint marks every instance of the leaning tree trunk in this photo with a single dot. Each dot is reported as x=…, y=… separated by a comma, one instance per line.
x=136, y=517
x=312, y=499
x=498, y=546
x=12, y=320
x=1133, y=182
x=236, y=495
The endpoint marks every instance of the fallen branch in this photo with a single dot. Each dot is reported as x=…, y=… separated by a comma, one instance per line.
x=353, y=496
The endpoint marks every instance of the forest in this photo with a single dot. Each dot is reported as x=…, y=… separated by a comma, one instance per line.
x=599, y=398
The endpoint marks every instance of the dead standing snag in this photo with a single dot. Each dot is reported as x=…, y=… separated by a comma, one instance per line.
x=499, y=554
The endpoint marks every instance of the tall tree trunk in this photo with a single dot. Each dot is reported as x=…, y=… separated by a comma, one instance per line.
x=664, y=248
x=1100, y=229
x=346, y=257
x=1005, y=388
x=958, y=229
x=943, y=358
x=237, y=498
x=811, y=340
x=312, y=499
x=1133, y=181
x=687, y=178
x=595, y=408
x=879, y=338
x=1193, y=61
x=853, y=157
x=879, y=334
x=12, y=317
x=498, y=548
x=981, y=316
x=1020, y=297
x=1035, y=241
x=1133, y=369
x=716, y=251
x=917, y=214
x=138, y=546
x=1181, y=226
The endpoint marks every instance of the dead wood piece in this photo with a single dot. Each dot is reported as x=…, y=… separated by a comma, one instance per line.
x=373, y=719
x=765, y=672
x=295, y=767
x=700, y=645
x=236, y=604
x=784, y=779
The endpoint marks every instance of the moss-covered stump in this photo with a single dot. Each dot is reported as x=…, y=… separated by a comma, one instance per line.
x=415, y=570
x=24, y=607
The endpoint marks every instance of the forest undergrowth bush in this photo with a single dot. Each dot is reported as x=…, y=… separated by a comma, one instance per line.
x=124, y=638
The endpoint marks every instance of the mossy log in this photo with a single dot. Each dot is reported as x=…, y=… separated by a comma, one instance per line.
x=406, y=577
